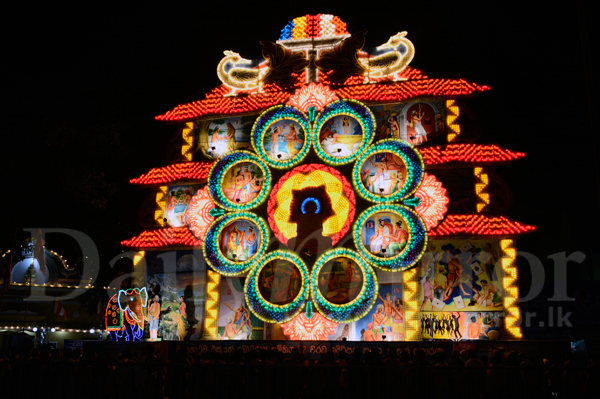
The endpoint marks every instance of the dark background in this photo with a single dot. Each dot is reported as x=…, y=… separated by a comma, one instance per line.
x=81, y=87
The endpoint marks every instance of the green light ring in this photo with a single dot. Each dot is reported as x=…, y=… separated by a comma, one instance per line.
x=415, y=246
x=219, y=170
x=212, y=250
x=267, y=119
x=353, y=108
x=415, y=170
x=359, y=306
x=267, y=311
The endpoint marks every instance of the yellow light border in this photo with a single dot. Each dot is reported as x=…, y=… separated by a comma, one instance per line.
x=510, y=289
x=211, y=310
x=410, y=298
x=161, y=202
x=452, y=114
x=188, y=141
x=482, y=181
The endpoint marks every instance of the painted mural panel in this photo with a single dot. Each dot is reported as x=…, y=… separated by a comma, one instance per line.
x=176, y=281
x=462, y=325
x=284, y=140
x=178, y=199
x=236, y=322
x=219, y=137
x=461, y=275
x=384, y=234
x=243, y=182
x=341, y=136
x=416, y=123
x=385, y=321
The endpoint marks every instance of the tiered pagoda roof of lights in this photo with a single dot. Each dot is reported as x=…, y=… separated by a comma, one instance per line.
x=410, y=84
x=316, y=69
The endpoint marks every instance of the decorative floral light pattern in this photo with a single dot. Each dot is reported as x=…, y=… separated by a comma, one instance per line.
x=270, y=312
x=301, y=328
x=313, y=94
x=198, y=215
x=212, y=250
x=434, y=201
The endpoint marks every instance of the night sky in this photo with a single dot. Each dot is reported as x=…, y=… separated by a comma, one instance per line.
x=81, y=88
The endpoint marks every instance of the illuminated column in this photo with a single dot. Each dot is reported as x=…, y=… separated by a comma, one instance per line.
x=161, y=200
x=410, y=294
x=482, y=181
x=188, y=139
x=139, y=269
x=211, y=313
x=510, y=288
x=452, y=113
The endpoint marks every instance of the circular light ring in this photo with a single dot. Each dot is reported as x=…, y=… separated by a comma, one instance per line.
x=352, y=108
x=212, y=250
x=267, y=119
x=270, y=312
x=415, y=169
x=434, y=201
x=282, y=190
x=198, y=215
x=357, y=308
x=415, y=246
x=219, y=170
x=311, y=199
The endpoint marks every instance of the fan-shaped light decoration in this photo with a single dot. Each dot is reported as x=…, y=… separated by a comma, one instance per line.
x=198, y=215
x=434, y=201
x=338, y=188
x=301, y=328
x=313, y=95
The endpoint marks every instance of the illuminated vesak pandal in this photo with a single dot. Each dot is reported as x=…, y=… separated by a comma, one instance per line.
x=333, y=197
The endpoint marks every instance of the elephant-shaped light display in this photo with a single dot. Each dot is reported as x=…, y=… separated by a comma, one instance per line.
x=125, y=314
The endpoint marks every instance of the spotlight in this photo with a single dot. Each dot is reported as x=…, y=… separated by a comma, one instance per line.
x=52, y=329
x=34, y=329
x=92, y=330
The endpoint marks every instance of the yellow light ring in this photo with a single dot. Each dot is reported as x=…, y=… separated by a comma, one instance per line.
x=265, y=310
x=220, y=169
x=212, y=248
x=359, y=306
x=275, y=115
x=415, y=244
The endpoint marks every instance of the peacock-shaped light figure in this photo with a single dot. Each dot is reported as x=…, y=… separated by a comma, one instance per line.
x=391, y=62
x=233, y=74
